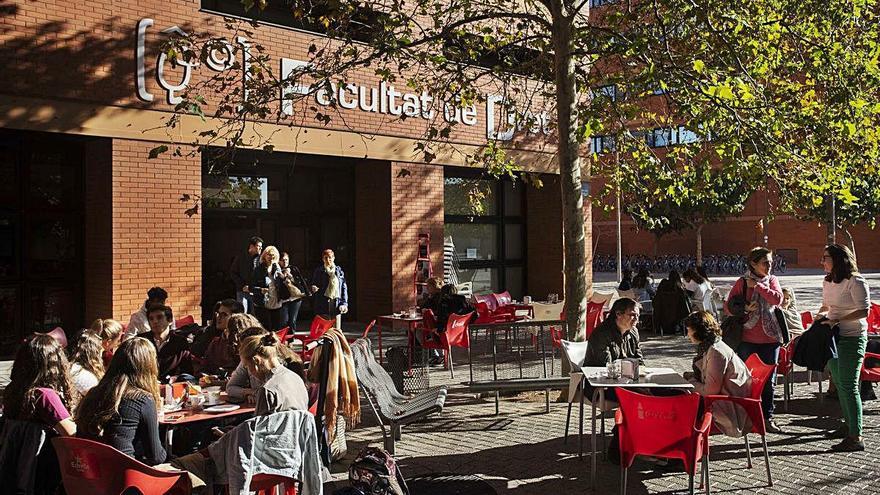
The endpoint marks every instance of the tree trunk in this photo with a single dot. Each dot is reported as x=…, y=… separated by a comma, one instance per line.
x=849, y=237
x=700, y=245
x=574, y=235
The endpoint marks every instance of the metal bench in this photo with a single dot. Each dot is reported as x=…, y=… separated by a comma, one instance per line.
x=393, y=407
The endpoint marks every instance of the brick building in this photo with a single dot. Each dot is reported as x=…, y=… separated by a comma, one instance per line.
x=88, y=222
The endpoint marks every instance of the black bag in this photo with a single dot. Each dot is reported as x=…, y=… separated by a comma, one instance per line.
x=375, y=472
x=732, y=326
x=783, y=324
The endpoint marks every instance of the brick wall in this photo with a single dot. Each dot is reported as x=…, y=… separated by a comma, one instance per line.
x=372, y=233
x=154, y=242
x=416, y=207
x=98, y=242
x=544, y=238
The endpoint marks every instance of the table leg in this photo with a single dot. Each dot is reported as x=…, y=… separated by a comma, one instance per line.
x=601, y=392
x=169, y=434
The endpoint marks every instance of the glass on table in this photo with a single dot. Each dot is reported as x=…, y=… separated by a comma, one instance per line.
x=613, y=370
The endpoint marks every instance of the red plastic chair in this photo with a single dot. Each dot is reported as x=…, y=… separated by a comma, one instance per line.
x=806, y=319
x=784, y=368
x=92, y=468
x=282, y=334
x=594, y=316
x=874, y=319
x=752, y=405
x=266, y=484
x=665, y=427
x=502, y=299
x=182, y=322
x=367, y=330
x=318, y=327
x=456, y=335
x=870, y=374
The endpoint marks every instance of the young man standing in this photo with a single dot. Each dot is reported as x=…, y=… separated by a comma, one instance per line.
x=242, y=270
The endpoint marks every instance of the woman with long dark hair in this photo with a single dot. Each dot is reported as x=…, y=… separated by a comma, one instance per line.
x=762, y=334
x=39, y=387
x=121, y=410
x=845, y=304
x=86, y=362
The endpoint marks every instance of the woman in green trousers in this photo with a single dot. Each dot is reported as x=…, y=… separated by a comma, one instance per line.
x=845, y=303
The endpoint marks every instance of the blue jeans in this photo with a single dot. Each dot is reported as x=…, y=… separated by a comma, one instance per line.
x=245, y=300
x=289, y=313
x=769, y=353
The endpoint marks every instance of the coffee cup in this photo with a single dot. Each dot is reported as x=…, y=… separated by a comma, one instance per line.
x=212, y=396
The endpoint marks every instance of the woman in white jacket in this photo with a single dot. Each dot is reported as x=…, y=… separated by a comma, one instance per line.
x=718, y=371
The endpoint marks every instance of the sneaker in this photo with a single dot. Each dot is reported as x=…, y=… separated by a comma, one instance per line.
x=849, y=444
x=772, y=427
x=840, y=433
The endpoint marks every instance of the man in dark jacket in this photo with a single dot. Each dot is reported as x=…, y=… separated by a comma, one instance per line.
x=172, y=348
x=242, y=270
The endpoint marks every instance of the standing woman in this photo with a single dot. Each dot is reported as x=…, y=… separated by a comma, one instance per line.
x=40, y=388
x=845, y=303
x=762, y=334
x=263, y=290
x=329, y=288
x=291, y=275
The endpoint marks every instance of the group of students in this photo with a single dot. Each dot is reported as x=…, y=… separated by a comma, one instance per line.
x=108, y=387
x=720, y=369
x=270, y=287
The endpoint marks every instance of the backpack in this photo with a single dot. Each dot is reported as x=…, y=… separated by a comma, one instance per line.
x=374, y=472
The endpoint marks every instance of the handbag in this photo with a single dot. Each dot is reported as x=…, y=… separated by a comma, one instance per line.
x=732, y=326
x=783, y=324
x=287, y=289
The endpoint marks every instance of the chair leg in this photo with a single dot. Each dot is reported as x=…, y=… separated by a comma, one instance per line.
x=706, y=465
x=449, y=358
x=767, y=460
x=581, y=429
x=623, y=475
x=691, y=484
x=748, y=450
x=602, y=433
x=567, y=421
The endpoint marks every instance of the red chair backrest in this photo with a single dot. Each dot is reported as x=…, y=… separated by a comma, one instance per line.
x=282, y=334
x=806, y=319
x=457, y=334
x=319, y=326
x=428, y=319
x=785, y=352
x=502, y=299
x=92, y=468
x=874, y=318
x=490, y=301
x=760, y=374
x=182, y=322
x=594, y=316
x=367, y=330
x=659, y=426
x=264, y=484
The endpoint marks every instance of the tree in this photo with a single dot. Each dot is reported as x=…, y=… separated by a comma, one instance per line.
x=742, y=85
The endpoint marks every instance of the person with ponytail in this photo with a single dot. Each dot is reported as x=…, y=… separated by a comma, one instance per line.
x=281, y=389
x=121, y=410
x=111, y=333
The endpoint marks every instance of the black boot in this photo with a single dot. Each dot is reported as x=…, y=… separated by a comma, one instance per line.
x=867, y=391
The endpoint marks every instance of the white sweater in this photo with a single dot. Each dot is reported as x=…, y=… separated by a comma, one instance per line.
x=842, y=299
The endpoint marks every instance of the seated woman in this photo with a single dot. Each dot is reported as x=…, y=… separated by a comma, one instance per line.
x=222, y=351
x=789, y=309
x=696, y=285
x=282, y=389
x=40, y=388
x=718, y=370
x=86, y=363
x=121, y=410
x=626, y=280
x=111, y=333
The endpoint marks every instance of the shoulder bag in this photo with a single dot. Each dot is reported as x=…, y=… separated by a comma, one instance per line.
x=732, y=326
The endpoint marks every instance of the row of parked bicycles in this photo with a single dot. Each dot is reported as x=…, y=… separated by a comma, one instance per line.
x=717, y=264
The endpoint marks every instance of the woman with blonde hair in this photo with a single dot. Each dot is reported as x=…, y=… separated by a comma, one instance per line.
x=281, y=389
x=267, y=306
x=86, y=363
x=121, y=410
x=111, y=333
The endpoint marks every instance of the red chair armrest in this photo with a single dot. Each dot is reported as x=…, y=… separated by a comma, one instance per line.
x=872, y=355
x=706, y=423
x=751, y=406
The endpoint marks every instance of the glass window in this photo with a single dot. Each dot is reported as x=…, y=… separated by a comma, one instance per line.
x=52, y=182
x=513, y=198
x=513, y=241
x=251, y=193
x=474, y=241
x=8, y=245
x=460, y=193
x=51, y=246
x=485, y=280
x=514, y=277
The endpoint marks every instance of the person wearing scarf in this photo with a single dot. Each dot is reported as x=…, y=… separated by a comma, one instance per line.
x=718, y=371
x=329, y=288
x=762, y=334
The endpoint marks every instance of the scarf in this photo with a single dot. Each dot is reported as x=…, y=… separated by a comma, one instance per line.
x=332, y=291
x=765, y=312
x=342, y=386
x=702, y=349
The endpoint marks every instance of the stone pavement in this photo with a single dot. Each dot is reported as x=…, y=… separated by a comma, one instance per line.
x=522, y=450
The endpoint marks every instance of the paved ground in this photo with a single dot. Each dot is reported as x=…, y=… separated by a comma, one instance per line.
x=522, y=451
